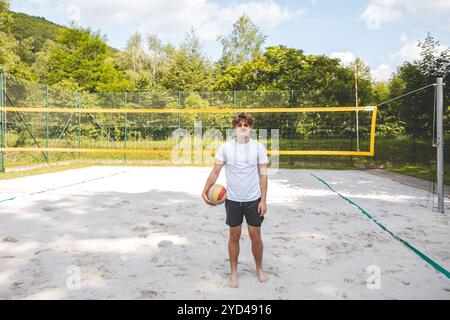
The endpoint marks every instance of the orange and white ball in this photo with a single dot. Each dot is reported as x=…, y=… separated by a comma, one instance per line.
x=217, y=194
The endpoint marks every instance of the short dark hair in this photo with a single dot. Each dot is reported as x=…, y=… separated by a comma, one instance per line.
x=242, y=116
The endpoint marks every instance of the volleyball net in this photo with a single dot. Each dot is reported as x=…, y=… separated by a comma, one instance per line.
x=44, y=124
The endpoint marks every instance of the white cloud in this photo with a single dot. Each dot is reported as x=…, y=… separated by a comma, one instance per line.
x=74, y=13
x=382, y=73
x=346, y=57
x=171, y=19
x=211, y=19
x=378, y=12
x=40, y=3
x=410, y=50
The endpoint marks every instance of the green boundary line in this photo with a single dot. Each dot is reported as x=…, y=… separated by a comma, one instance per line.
x=56, y=188
x=416, y=251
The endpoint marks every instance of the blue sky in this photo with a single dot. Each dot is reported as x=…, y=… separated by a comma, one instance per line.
x=384, y=33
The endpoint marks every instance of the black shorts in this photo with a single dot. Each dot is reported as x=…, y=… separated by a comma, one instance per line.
x=237, y=210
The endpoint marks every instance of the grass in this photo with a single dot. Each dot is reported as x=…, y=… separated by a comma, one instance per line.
x=392, y=154
x=43, y=170
x=428, y=174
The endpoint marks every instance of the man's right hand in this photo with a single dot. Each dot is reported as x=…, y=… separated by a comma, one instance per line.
x=205, y=198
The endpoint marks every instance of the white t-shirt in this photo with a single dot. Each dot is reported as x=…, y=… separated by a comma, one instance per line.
x=241, y=168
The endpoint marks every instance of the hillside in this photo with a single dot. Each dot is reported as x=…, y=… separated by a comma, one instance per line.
x=37, y=29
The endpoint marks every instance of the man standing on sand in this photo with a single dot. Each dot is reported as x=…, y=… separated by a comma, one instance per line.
x=245, y=162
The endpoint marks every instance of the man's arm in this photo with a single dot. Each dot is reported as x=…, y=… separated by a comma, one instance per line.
x=211, y=180
x=263, y=181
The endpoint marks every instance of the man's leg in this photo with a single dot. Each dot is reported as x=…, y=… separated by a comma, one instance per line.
x=233, y=251
x=257, y=249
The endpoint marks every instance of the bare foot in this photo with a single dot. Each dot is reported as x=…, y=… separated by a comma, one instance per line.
x=234, y=280
x=262, y=277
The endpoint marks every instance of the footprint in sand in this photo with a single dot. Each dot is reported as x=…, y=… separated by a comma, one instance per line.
x=273, y=271
x=148, y=294
x=114, y=204
x=140, y=229
x=201, y=294
x=157, y=224
x=16, y=285
x=392, y=271
x=10, y=239
x=167, y=263
x=105, y=273
x=165, y=244
x=49, y=209
x=180, y=275
x=277, y=254
x=282, y=290
x=347, y=280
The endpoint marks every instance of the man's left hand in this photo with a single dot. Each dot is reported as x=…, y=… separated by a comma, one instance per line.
x=262, y=208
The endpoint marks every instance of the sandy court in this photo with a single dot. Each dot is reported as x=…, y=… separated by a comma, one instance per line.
x=144, y=233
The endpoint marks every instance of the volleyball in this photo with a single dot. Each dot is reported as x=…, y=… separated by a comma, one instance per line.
x=217, y=194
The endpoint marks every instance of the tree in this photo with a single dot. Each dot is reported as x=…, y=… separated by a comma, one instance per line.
x=361, y=69
x=134, y=55
x=81, y=55
x=6, y=19
x=188, y=69
x=10, y=61
x=134, y=62
x=243, y=44
x=317, y=79
x=32, y=33
x=159, y=54
x=434, y=61
x=416, y=110
x=305, y=80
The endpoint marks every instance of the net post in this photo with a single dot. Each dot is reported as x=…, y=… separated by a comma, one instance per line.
x=357, y=105
x=440, y=143
x=46, y=123
x=292, y=103
x=2, y=124
x=79, y=123
x=179, y=107
x=125, y=131
x=372, y=131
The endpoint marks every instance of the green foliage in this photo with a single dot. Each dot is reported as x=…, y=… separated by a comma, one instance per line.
x=188, y=69
x=243, y=44
x=80, y=55
x=416, y=110
x=318, y=79
x=144, y=68
x=32, y=34
x=10, y=61
x=6, y=19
